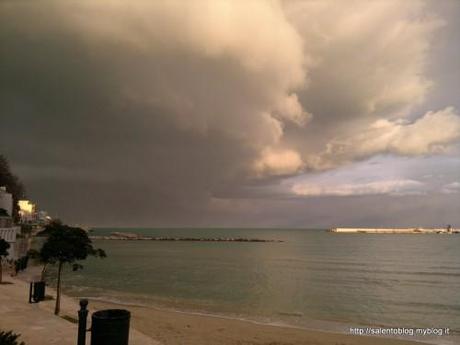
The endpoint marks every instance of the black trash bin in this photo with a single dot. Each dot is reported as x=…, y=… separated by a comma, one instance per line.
x=110, y=327
x=39, y=291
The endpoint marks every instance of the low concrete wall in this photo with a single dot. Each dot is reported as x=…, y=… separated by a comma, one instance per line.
x=391, y=230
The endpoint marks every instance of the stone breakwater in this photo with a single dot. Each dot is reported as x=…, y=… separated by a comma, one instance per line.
x=124, y=236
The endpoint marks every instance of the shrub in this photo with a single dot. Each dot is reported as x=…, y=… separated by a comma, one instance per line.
x=9, y=338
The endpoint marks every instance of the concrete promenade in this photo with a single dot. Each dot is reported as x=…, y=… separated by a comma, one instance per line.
x=36, y=322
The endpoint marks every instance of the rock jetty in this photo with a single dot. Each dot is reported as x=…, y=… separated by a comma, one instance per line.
x=128, y=236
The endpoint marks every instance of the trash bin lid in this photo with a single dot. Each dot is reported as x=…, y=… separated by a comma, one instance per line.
x=112, y=314
x=36, y=278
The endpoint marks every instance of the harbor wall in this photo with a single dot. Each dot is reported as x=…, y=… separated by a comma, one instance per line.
x=392, y=230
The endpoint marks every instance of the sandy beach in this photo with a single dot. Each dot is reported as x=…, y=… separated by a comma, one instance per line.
x=173, y=328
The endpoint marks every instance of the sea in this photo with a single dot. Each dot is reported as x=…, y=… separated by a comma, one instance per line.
x=314, y=279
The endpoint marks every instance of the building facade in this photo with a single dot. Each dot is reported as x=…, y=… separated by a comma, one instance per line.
x=10, y=235
x=6, y=201
x=8, y=231
x=27, y=211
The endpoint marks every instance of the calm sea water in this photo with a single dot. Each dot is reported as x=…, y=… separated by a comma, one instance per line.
x=313, y=279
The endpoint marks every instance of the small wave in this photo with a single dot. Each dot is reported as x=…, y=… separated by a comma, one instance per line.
x=117, y=301
x=455, y=268
x=377, y=271
x=285, y=313
x=319, y=325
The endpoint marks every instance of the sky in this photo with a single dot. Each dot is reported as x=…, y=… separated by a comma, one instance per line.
x=290, y=113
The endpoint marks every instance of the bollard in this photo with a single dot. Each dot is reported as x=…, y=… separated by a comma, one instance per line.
x=82, y=317
x=30, y=293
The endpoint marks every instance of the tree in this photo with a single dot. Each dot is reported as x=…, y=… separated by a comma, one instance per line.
x=35, y=254
x=12, y=183
x=4, y=246
x=65, y=245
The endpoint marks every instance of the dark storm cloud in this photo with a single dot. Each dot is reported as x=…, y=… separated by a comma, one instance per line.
x=85, y=152
x=159, y=114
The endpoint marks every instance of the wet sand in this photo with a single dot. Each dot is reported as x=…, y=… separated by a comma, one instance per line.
x=178, y=328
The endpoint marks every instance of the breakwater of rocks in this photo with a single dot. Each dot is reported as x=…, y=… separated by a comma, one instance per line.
x=124, y=236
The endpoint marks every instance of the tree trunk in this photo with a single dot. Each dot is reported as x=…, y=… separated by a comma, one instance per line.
x=1, y=270
x=58, y=291
x=42, y=276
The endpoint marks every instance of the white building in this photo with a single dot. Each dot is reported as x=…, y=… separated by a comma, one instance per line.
x=8, y=231
x=43, y=218
x=6, y=201
x=10, y=236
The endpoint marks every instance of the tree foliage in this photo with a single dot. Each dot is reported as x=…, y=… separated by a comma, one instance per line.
x=12, y=183
x=9, y=338
x=65, y=245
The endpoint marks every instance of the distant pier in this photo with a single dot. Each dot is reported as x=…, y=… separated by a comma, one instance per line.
x=395, y=230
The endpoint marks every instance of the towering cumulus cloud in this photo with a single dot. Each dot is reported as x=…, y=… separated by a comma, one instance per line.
x=224, y=66
x=175, y=104
x=369, y=74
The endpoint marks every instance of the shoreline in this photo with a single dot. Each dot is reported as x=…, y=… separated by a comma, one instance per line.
x=325, y=326
x=195, y=328
x=151, y=326
x=336, y=327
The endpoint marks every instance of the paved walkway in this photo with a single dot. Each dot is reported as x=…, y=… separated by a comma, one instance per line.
x=36, y=322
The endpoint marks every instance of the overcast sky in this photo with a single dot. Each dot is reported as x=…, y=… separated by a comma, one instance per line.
x=234, y=113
